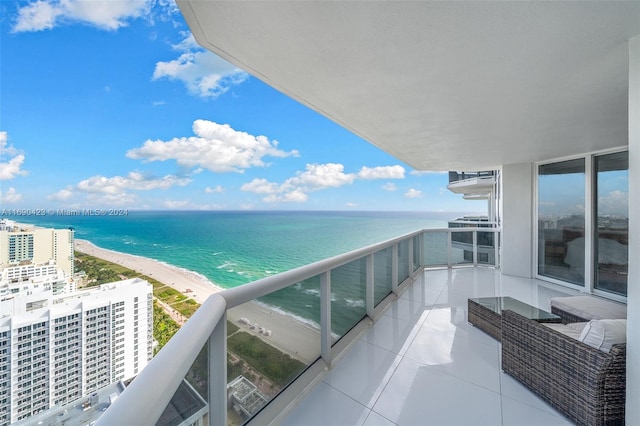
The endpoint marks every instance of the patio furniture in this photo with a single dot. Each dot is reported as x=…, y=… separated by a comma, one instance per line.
x=586, y=307
x=586, y=384
x=485, y=313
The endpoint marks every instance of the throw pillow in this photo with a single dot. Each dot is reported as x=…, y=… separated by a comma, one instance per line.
x=602, y=334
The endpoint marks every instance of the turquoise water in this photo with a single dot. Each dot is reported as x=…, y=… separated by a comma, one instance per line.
x=233, y=248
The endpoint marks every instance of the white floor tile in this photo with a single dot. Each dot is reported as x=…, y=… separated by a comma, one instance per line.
x=326, y=406
x=364, y=373
x=418, y=394
x=457, y=354
x=393, y=334
x=422, y=363
x=515, y=413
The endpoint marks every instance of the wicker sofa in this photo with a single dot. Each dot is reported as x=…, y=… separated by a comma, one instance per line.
x=586, y=384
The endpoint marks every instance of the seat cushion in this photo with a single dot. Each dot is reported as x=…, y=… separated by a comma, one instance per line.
x=573, y=330
x=590, y=307
x=602, y=334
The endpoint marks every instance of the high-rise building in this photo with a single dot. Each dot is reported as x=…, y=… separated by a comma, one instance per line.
x=39, y=245
x=34, y=277
x=55, y=349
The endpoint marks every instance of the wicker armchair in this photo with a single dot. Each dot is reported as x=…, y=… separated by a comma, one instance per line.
x=584, y=383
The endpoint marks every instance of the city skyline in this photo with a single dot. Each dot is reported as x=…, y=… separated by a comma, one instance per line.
x=113, y=105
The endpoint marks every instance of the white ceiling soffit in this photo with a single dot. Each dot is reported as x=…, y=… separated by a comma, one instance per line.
x=441, y=85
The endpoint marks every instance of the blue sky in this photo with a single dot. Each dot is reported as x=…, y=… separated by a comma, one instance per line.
x=112, y=105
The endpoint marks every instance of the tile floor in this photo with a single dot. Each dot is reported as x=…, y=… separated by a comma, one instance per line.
x=422, y=363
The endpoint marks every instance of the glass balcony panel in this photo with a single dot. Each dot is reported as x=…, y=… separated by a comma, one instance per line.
x=486, y=248
x=461, y=247
x=383, y=274
x=403, y=260
x=270, y=341
x=416, y=253
x=436, y=248
x=190, y=399
x=348, y=295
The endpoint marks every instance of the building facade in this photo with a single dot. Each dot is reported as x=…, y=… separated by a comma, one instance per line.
x=34, y=277
x=39, y=245
x=55, y=349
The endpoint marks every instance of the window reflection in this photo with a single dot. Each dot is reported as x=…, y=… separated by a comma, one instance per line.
x=561, y=221
x=612, y=227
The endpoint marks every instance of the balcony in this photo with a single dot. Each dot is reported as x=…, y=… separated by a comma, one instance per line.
x=371, y=337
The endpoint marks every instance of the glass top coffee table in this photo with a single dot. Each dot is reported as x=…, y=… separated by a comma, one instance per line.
x=486, y=313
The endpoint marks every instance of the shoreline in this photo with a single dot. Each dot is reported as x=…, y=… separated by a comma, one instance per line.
x=190, y=283
x=295, y=338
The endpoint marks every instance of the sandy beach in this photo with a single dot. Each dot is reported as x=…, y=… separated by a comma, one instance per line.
x=189, y=283
x=298, y=339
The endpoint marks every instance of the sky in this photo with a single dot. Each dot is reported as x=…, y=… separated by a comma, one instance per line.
x=113, y=105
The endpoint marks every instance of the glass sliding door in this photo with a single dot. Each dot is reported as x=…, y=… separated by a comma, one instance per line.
x=561, y=220
x=612, y=222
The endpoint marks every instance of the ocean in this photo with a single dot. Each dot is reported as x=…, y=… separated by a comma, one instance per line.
x=234, y=248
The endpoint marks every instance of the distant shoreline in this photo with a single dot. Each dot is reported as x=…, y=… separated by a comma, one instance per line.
x=188, y=282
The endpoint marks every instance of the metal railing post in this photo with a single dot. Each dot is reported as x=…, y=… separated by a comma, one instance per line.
x=475, y=247
x=370, y=286
x=217, y=346
x=410, y=257
x=394, y=269
x=325, y=317
x=449, y=238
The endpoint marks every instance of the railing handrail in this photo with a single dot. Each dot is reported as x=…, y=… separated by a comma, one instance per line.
x=259, y=288
x=168, y=368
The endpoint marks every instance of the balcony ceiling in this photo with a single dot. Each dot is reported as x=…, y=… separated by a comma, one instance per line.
x=441, y=85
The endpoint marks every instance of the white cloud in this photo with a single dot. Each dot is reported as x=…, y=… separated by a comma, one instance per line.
x=216, y=190
x=104, y=14
x=10, y=196
x=614, y=203
x=111, y=200
x=390, y=186
x=10, y=159
x=216, y=147
x=296, y=189
x=320, y=176
x=386, y=172
x=12, y=168
x=203, y=73
x=261, y=186
x=62, y=195
x=413, y=193
x=133, y=181
x=176, y=204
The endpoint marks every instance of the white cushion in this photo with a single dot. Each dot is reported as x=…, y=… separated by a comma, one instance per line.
x=590, y=307
x=573, y=330
x=602, y=334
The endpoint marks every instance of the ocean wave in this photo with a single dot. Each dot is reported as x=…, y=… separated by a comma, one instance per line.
x=298, y=318
x=226, y=264
x=354, y=303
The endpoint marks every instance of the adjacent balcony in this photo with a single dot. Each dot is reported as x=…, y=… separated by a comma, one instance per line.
x=370, y=336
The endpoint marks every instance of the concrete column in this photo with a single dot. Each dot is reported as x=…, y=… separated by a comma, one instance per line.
x=633, y=291
x=517, y=220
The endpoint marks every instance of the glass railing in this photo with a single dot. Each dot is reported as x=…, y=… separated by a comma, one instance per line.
x=249, y=350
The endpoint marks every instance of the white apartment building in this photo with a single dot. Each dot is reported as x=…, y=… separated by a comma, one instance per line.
x=28, y=243
x=55, y=349
x=28, y=277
